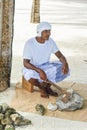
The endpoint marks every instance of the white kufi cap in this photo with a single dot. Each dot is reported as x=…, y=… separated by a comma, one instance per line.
x=42, y=26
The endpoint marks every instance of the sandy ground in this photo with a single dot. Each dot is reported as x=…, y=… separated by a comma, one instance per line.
x=29, y=101
x=70, y=33
x=41, y=122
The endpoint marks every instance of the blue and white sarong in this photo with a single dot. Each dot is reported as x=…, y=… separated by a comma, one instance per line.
x=52, y=69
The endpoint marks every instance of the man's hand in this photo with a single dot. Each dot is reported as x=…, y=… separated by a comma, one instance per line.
x=62, y=58
x=42, y=75
x=65, y=68
x=28, y=65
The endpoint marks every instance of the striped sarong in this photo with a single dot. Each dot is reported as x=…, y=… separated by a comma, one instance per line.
x=53, y=71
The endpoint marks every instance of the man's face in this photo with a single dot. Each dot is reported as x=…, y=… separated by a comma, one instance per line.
x=46, y=34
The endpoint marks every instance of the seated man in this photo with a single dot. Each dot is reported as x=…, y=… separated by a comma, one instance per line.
x=36, y=59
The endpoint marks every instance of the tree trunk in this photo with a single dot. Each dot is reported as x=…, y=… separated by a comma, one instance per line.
x=7, y=17
x=35, y=13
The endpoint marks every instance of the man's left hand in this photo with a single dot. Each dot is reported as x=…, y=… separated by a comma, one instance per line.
x=65, y=68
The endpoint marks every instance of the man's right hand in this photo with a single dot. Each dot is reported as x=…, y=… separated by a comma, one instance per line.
x=28, y=65
x=42, y=74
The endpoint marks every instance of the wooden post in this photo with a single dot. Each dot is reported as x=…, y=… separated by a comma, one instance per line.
x=35, y=13
x=7, y=10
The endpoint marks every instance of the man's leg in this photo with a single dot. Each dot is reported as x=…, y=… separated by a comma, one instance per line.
x=50, y=91
x=41, y=86
x=45, y=88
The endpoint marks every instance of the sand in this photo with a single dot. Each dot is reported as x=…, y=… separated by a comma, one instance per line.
x=25, y=101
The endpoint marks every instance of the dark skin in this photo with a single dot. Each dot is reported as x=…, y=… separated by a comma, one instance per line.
x=45, y=36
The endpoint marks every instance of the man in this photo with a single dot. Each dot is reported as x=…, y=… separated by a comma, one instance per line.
x=36, y=59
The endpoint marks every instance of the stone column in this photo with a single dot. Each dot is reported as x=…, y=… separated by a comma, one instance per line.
x=7, y=18
x=35, y=12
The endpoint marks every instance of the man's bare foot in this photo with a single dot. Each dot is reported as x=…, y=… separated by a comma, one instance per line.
x=44, y=94
x=51, y=92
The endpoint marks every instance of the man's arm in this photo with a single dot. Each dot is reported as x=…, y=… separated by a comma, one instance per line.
x=28, y=65
x=62, y=58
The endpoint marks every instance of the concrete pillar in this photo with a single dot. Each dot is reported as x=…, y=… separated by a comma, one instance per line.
x=6, y=37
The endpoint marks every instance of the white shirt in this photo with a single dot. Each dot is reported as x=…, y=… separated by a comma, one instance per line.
x=39, y=53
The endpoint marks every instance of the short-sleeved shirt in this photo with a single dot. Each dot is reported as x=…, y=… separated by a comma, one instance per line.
x=39, y=53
